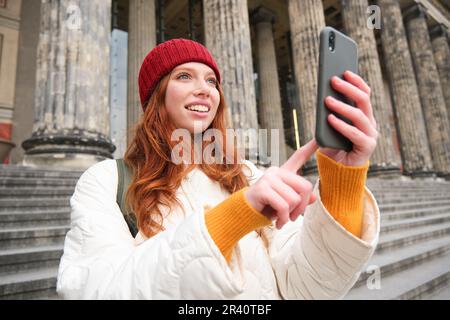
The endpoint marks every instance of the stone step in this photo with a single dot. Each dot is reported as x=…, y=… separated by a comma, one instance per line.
x=10, y=182
x=32, y=237
x=411, y=283
x=408, y=186
x=417, y=198
x=401, y=238
x=14, y=210
x=373, y=182
x=406, y=189
x=414, y=213
x=389, y=198
x=19, y=193
x=379, y=186
x=6, y=204
x=404, y=257
x=48, y=295
x=32, y=284
x=441, y=293
x=40, y=218
x=18, y=260
x=17, y=168
x=387, y=193
x=42, y=174
x=389, y=226
x=412, y=205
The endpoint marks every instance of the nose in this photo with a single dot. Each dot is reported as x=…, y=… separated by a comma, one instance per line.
x=203, y=89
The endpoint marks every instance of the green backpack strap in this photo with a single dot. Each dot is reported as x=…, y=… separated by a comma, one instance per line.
x=125, y=178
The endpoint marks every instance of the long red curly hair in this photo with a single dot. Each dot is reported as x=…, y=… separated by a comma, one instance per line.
x=155, y=177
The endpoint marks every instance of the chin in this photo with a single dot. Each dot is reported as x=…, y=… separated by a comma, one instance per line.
x=205, y=125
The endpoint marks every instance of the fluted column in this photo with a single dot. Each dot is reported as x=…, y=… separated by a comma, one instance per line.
x=269, y=113
x=141, y=39
x=384, y=160
x=306, y=19
x=432, y=98
x=71, y=125
x=227, y=36
x=441, y=50
x=412, y=133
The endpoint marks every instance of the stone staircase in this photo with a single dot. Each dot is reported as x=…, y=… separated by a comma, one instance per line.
x=413, y=255
x=34, y=219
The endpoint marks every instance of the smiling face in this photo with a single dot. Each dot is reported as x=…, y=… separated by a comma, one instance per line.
x=192, y=95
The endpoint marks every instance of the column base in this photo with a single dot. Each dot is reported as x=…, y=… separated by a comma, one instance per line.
x=72, y=148
x=385, y=172
x=444, y=175
x=61, y=160
x=421, y=174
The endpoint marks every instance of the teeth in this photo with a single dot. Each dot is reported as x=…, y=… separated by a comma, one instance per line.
x=199, y=108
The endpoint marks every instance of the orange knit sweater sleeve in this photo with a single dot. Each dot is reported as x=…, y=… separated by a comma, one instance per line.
x=341, y=191
x=231, y=220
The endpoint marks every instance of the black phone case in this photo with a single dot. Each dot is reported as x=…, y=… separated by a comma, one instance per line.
x=333, y=63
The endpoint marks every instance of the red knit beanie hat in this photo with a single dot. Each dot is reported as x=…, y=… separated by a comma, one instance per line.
x=161, y=60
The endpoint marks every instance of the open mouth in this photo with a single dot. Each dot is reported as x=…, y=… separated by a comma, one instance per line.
x=197, y=108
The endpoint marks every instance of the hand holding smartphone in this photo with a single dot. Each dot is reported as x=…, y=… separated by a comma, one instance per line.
x=338, y=53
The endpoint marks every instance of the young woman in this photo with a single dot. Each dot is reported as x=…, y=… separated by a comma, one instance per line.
x=220, y=231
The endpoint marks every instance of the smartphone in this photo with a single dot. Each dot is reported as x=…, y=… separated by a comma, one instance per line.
x=338, y=53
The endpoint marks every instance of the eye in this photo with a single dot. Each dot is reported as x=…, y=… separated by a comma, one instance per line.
x=183, y=75
x=213, y=80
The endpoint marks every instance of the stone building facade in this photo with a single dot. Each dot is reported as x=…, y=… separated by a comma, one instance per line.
x=56, y=83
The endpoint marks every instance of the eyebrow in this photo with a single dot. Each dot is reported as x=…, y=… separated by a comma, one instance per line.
x=193, y=70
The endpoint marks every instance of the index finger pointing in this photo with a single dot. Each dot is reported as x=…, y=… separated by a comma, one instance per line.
x=299, y=157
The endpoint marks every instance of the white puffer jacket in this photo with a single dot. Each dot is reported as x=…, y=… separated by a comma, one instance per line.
x=311, y=258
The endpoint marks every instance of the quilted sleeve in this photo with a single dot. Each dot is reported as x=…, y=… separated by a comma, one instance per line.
x=101, y=260
x=316, y=258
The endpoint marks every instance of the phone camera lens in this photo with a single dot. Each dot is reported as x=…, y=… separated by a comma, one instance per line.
x=331, y=43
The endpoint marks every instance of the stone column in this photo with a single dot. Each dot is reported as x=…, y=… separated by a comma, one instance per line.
x=412, y=133
x=227, y=36
x=306, y=19
x=439, y=41
x=432, y=98
x=25, y=76
x=270, y=113
x=141, y=39
x=384, y=160
x=71, y=122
